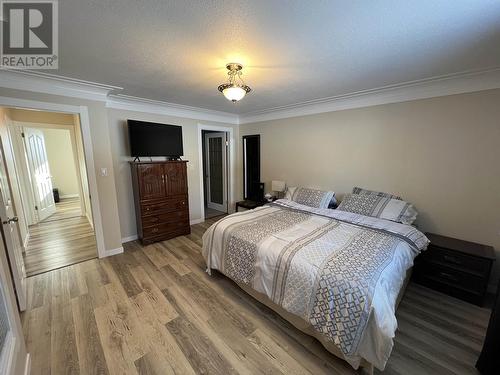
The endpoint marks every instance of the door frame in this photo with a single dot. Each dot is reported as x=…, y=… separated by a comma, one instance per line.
x=230, y=167
x=83, y=113
x=244, y=161
x=17, y=127
x=216, y=206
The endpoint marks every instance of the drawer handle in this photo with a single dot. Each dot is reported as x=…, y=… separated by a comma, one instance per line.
x=448, y=276
x=155, y=230
x=452, y=259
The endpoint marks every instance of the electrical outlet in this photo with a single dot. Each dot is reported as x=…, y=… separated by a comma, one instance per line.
x=104, y=172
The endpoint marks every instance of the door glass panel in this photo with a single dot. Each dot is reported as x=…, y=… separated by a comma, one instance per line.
x=216, y=177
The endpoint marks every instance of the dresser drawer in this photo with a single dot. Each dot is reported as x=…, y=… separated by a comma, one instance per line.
x=165, y=217
x=166, y=229
x=454, y=259
x=168, y=205
x=166, y=235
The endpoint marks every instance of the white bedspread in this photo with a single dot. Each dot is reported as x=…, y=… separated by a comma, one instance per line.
x=340, y=272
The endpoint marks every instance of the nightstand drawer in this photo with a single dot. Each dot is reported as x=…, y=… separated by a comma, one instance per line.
x=457, y=260
x=448, y=288
x=452, y=277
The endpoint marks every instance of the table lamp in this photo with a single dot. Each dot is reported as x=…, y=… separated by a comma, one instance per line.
x=278, y=187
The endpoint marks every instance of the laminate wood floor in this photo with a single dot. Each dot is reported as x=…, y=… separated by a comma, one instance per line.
x=154, y=310
x=67, y=208
x=210, y=213
x=58, y=243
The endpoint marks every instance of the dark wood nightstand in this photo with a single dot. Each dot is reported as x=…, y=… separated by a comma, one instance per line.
x=455, y=267
x=249, y=204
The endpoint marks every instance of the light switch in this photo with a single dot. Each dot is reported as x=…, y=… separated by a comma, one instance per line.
x=104, y=172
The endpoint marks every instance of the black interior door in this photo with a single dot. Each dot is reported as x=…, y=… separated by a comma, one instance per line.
x=252, y=187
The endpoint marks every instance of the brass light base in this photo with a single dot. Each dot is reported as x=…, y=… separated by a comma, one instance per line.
x=234, y=67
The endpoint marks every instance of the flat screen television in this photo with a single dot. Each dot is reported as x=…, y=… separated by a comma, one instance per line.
x=152, y=139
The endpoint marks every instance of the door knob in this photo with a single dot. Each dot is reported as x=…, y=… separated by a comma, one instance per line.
x=11, y=220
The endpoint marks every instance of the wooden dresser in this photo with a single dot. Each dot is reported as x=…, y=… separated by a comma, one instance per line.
x=455, y=267
x=161, y=200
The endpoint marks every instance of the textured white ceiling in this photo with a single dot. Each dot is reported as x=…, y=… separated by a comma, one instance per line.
x=293, y=51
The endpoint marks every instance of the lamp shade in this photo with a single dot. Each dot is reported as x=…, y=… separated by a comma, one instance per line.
x=234, y=93
x=278, y=185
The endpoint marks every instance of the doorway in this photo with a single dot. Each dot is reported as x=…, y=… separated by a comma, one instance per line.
x=215, y=172
x=49, y=176
x=253, y=189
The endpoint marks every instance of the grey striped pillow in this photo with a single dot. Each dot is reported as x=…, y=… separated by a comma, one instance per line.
x=311, y=197
x=381, y=207
x=361, y=191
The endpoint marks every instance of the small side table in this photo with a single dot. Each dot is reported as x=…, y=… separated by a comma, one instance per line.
x=455, y=267
x=249, y=205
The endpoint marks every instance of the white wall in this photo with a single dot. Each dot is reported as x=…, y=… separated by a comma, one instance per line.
x=442, y=154
x=61, y=161
x=121, y=158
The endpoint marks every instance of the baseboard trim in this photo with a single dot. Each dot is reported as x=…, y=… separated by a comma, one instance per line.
x=111, y=252
x=69, y=196
x=27, y=367
x=130, y=238
x=25, y=242
x=89, y=219
x=196, y=221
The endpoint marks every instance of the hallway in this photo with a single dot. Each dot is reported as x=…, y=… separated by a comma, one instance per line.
x=62, y=239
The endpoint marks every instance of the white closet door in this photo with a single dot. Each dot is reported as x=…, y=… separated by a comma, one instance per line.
x=40, y=172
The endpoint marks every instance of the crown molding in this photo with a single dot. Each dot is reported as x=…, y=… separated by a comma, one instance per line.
x=132, y=103
x=451, y=84
x=55, y=85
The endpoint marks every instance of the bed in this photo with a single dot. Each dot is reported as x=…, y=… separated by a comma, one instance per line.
x=333, y=274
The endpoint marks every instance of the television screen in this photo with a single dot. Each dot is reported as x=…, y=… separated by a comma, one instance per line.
x=151, y=139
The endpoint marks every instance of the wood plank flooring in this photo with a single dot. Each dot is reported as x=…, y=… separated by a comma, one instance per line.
x=210, y=213
x=57, y=243
x=154, y=310
x=66, y=209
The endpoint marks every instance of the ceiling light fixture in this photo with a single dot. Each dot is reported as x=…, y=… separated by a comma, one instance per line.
x=235, y=89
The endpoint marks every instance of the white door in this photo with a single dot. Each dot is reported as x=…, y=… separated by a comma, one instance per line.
x=10, y=231
x=12, y=347
x=39, y=172
x=216, y=170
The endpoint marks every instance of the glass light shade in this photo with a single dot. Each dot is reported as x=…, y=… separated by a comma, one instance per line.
x=234, y=93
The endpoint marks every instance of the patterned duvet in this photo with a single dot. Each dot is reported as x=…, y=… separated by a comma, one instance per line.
x=340, y=272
